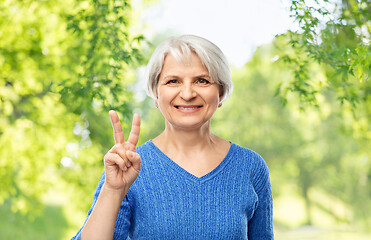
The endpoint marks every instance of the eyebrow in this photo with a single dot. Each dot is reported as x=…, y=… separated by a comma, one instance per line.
x=197, y=76
x=203, y=76
x=170, y=76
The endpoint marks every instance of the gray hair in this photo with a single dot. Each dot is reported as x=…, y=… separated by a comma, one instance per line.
x=179, y=47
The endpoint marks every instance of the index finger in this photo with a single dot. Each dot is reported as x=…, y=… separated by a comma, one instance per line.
x=117, y=128
x=135, y=129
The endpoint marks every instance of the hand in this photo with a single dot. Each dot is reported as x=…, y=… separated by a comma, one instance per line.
x=122, y=163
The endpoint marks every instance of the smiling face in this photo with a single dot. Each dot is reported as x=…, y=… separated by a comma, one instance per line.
x=186, y=95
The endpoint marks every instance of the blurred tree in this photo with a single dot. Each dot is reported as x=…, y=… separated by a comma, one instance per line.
x=335, y=34
x=62, y=64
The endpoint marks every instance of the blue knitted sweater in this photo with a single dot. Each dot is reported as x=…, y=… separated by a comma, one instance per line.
x=233, y=201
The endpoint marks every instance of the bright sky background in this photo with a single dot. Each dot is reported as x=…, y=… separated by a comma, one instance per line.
x=236, y=26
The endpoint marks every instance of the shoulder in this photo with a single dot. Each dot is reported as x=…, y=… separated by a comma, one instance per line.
x=248, y=156
x=149, y=154
x=145, y=147
x=256, y=165
x=148, y=150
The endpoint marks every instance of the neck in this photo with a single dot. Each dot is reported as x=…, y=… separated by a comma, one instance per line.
x=184, y=140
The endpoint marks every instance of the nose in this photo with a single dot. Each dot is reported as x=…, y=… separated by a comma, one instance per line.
x=187, y=92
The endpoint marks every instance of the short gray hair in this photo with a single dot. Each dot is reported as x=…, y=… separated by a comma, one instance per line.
x=179, y=47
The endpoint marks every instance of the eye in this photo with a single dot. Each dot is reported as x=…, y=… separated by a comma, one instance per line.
x=203, y=81
x=172, y=81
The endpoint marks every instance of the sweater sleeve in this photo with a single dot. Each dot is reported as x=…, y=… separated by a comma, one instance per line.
x=123, y=217
x=261, y=224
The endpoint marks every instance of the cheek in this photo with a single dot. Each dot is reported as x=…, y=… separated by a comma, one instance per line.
x=213, y=96
x=165, y=96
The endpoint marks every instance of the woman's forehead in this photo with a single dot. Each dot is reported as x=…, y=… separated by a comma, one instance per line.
x=194, y=64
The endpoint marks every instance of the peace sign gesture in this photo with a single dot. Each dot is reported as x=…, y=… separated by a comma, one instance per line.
x=122, y=163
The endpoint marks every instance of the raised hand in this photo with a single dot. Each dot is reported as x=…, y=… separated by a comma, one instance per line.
x=122, y=163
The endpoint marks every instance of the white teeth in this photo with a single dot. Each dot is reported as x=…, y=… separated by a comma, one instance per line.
x=187, y=108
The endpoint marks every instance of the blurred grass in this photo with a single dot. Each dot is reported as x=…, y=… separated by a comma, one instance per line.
x=316, y=233
x=51, y=224
x=58, y=220
x=289, y=218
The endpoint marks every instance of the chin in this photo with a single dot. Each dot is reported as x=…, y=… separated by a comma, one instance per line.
x=189, y=125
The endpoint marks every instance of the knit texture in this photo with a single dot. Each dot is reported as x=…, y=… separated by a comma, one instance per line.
x=233, y=201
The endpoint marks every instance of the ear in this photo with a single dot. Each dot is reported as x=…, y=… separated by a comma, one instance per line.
x=221, y=91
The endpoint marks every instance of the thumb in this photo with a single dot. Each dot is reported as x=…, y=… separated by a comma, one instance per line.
x=134, y=158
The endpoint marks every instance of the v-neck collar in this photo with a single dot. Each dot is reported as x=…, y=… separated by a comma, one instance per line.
x=189, y=175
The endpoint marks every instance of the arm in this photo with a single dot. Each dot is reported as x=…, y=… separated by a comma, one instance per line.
x=123, y=218
x=122, y=166
x=261, y=225
x=101, y=223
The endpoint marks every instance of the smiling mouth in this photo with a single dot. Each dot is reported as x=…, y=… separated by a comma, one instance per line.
x=187, y=107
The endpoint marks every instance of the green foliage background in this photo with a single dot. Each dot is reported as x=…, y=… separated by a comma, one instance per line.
x=302, y=102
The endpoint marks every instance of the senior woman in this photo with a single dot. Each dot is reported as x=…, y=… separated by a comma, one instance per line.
x=186, y=183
